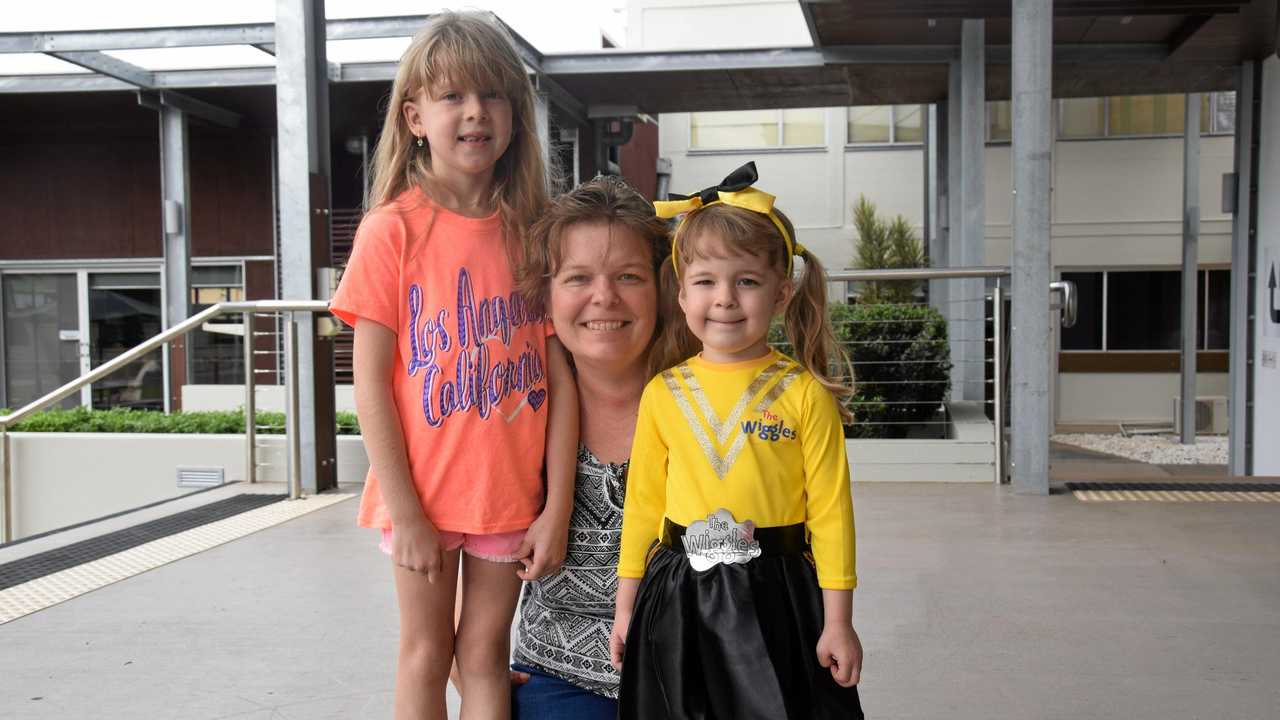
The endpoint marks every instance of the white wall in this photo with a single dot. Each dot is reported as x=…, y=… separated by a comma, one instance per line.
x=1266, y=396
x=197, y=398
x=1108, y=398
x=60, y=479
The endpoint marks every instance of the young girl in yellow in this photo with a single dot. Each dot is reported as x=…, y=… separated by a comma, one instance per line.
x=738, y=513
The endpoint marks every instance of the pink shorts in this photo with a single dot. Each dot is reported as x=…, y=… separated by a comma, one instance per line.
x=497, y=547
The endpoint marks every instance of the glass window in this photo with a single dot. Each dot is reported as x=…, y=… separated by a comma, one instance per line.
x=1086, y=334
x=124, y=311
x=1144, y=310
x=907, y=125
x=1083, y=118
x=733, y=130
x=999, y=121
x=1224, y=112
x=1145, y=115
x=804, y=126
x=1215, y=308
x=216, y=358
x=870, y=124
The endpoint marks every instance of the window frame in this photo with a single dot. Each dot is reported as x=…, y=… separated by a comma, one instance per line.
x=893, y=141
x=1212, y=131
x=1202, y=310
x=779, y=126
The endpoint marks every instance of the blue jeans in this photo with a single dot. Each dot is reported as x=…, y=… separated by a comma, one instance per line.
x=549, y=698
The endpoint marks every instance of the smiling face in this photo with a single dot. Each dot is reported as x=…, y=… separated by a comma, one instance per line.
x=466, y=130
x=728, y=299
x=604, y=296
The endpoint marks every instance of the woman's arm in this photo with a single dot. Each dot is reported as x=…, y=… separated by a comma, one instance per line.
x=622, y=610
x=415, y=544
x=544, y=546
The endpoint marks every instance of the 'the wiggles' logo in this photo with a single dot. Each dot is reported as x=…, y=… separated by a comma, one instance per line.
x=771, y=428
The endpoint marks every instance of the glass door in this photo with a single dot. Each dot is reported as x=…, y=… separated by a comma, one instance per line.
x=124, y=311
x=43, y=342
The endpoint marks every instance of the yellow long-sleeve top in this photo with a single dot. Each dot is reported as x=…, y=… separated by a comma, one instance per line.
x=760, y=438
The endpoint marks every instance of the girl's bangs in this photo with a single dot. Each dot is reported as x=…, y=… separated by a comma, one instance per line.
x=466, y=67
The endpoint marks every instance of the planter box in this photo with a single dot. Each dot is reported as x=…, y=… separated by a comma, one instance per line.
x=61, y=479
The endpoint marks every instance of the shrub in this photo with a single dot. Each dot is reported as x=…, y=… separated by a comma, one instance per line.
x=900, y=355
x=881, y=245
x=125, y=420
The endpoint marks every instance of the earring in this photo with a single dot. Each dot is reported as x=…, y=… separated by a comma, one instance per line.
x=420, y=143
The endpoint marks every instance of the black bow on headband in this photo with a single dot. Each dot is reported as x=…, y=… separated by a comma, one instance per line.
x=740, y=179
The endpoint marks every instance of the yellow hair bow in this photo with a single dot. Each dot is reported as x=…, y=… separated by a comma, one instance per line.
x=735, y=190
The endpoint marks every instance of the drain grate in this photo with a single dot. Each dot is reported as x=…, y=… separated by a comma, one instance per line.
x=58, y=559
x=1189, y=491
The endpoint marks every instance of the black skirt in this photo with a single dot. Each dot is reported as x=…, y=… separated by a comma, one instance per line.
x=735, y=641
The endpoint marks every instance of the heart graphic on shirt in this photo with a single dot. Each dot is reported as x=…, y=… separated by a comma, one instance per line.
x=536, y=398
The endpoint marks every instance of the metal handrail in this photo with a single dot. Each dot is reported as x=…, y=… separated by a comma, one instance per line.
x=248, y=307
x=950, y=273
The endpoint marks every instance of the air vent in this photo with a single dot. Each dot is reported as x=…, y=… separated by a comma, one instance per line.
x=200, y=477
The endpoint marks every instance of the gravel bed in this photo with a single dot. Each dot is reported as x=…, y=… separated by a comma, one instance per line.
x=1154, y=449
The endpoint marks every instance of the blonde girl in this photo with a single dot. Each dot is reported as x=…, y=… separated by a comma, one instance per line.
x=461, y=394
x=738, y=513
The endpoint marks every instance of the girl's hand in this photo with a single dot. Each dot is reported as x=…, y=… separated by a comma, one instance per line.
x=840, y=649
x=542, y=550
x=416, y=547
x=618, y=640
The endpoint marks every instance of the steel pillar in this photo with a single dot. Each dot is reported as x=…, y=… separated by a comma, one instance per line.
x=1031, y=339
x=302, y=116
x=1238, y=435
x=973, y=198
x=1190, y=261
x=175, y=194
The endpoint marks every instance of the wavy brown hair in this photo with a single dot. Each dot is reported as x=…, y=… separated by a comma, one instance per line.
x=608, y=200
x=472, y=50
x=805, y=319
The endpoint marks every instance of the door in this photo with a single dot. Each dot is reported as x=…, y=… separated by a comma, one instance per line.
x=43, y=342
x=124, y=311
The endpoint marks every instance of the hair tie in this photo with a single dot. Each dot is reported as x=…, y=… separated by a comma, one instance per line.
x=736, y=190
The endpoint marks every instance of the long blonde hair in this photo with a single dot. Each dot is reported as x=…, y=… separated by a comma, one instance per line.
x=805, y=319
x=473, y=51
x=609, y=200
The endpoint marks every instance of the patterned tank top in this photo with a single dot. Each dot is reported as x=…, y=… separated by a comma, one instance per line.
x=565, y=618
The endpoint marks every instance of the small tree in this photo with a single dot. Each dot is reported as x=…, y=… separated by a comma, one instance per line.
x=881, y=246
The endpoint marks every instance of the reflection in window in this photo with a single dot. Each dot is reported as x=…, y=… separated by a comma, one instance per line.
x=884, y=124
x=41, y=336
x=216, y=358
x=907, y=126
x=124, y=311
x=804, y=126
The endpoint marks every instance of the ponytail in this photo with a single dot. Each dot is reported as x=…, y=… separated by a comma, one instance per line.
x=811, y=336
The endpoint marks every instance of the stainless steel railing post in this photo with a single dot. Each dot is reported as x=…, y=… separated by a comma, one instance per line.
x=293, y=439
x=6, y=519
x=997, y=393
x=250, y=406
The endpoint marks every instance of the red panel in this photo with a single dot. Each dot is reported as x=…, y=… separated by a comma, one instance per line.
x=639, y=159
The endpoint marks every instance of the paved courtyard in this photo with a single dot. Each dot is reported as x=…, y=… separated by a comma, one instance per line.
x=974, y=603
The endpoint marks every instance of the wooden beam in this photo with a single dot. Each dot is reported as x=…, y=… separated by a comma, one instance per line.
x=1186, y=31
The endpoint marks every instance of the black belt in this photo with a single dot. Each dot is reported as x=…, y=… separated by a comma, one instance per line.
x=778, y=540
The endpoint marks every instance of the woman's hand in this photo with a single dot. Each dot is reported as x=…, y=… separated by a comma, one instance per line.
x=542, y=550
x=416, y=546
x=618, y=639
x=840, y=649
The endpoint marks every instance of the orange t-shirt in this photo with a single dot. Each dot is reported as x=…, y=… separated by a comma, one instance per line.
x=470, y=380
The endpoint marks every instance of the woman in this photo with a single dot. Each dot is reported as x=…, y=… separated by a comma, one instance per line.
x=603, y=252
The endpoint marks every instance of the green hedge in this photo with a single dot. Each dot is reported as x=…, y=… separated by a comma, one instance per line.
x=900, y=354
x=124, y=420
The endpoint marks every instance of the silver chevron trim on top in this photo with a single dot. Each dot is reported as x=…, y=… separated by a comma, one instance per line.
x=721, y=464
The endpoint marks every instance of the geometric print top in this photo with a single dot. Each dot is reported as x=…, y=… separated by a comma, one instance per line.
x=565, y=618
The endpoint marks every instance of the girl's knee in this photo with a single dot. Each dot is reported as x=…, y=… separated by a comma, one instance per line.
x=430, y=661
x=484, y=651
